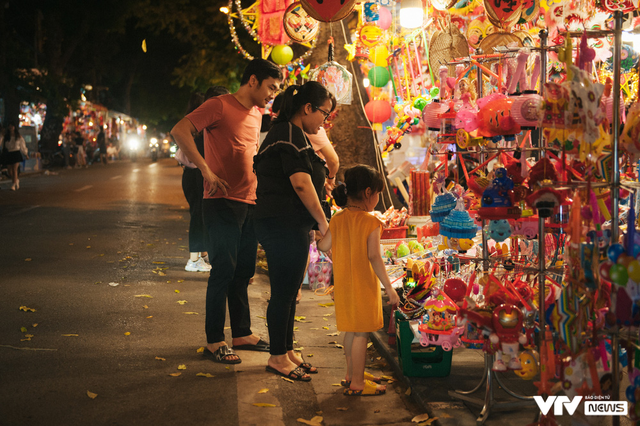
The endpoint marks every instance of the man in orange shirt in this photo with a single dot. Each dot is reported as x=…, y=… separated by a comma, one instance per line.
x=231, y=125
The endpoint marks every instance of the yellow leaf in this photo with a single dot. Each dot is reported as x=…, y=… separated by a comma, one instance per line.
x=181, y=302
x=339, y=346
x=261, y=317
x=298, y=349
x=144, y=45
x=420, y=418
x=29, y=336
x=299, y=318
x=169, y=282
x=326, y=305
x=296, y=328
x=150, y=316
x=192, y=313
x=200, y=349
x=158, y=263
x=91, y=395
x=69, y=335
x=28, y=339
x=337, y=333
x=205, y=375
x=369, y=345
x=70, y=244
x=146, y=307
x=265, y=390
x=309, y=355
x=333, y=343
x=180, y=281
x=34, y=325
x=263, y=404
x=328, y=315
x=127, y=333
x=26, y=309
x=23, y=329
x=160, y=358
x=182, y=367
x=175, y=374
x=341, y=408
x=143, y=295
x=408, y=392
x=337, y=384
x=28, y=259
x=176, y=291
x=315, y=421
x=428, y=422
x=162, y=274
x=325, y=327
x=287, y=380
x=88, y=246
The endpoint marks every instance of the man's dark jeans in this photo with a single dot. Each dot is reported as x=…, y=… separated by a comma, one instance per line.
x=232, y=253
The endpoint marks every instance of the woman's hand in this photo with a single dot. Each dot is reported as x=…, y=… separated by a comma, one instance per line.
x=393, y=298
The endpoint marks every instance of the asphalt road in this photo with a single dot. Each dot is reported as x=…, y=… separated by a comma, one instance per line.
x=98, y=254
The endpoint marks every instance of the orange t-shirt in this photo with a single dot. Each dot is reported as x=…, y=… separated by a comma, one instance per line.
x=231, y=134
x=356, y=290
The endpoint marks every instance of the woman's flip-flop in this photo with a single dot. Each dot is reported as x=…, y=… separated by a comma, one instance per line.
x=367, y=376
x=221, y=355
x=370, y=388
x=308, y=368
x=297, y=374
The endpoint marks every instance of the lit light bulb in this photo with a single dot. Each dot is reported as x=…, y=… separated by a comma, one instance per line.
x=411, y=14
x=365, y=82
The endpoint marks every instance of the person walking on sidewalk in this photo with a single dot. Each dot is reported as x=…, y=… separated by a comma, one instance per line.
x=231, y=125
x=81, y=159
x=102, y=146
x=291, y=179
x=354, y=238
x=16, y=153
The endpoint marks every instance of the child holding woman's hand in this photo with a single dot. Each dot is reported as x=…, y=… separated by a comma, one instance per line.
x=354, y=238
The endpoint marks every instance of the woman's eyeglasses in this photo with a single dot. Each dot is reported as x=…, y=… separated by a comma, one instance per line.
x=326, y=114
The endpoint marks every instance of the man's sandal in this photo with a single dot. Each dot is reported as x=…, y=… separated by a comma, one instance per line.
x=297, y=374
x=370, y=388
x=310, y=369
x=222, y=355
x=367, y=376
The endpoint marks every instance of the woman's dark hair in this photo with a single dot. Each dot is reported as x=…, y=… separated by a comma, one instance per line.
x=262, y=69
x=195, y=101
x=277, y=103
x=356, y=180
x=7, y=131
x=214, y=91
x=296, y=97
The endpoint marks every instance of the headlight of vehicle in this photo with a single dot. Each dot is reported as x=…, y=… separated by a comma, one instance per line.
x=134, y=143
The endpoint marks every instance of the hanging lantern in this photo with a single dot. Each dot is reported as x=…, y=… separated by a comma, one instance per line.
x=282, y=54
x=328, y=10
x=525, y=109
x=299, y=26
x=378, y=76
x=377, y=112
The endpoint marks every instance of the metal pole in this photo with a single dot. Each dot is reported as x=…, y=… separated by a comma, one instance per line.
x=543, y=79
x=615, y=189
x=541, y=280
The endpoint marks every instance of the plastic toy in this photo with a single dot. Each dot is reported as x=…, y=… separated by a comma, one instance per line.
x=507, y=324
x=499, y=230
x=530, y=360
x=497, y=198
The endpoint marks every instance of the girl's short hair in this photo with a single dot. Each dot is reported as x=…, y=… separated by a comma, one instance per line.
x=296, y=97
x=356, y=180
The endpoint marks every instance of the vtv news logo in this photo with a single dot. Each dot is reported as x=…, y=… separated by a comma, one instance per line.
x=591, y=407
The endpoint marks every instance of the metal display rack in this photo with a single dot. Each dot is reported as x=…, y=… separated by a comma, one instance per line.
x=489, y=403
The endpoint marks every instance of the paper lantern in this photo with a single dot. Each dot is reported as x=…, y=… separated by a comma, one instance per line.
x=299, y=26
x=384, y=18
x=336, y=79
x=378, y=76
x=282, y=54
x=526, y=109
x=328, y=10
x=378, y=112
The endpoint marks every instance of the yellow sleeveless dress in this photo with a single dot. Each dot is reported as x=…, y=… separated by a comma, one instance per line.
x=357, y=293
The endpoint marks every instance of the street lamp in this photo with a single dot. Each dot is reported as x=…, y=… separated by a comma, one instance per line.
x=411, y=14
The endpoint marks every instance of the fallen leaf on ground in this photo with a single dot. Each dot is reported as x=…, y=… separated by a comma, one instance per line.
x=339, y=346
x=369, y=345
x=180, y=281
x=28, y=259
x=325, y=319
x=176, y=291
x=28, y=339
x=150, y=316
x=114, y=284
x=341, y=408
x=337, y=384
x=127, y=333
x=29, y=336
x=146, y=307
x=326, y=305
x=175, y=374
x=182, y=367
x=325, y=328
x=263, y=404
x=408, y=392
x=205, y=375
x=91, y=395
x=428, y=422
x=376, y=411
x=287, y=380
x=160, y=358
x=337, y=333
x=162, y=274
x=169, y=282
x=158, y=263
x=88, y=246
x=23, y=329
x=192, y=313
x=261, y=317
x=34, y=325
x=69, y=335
x=333, y=342
x=227, y=328
x=265, y=390
x=420, y=418
x=296, y=328
x=298, y=349
x=144, y=295
x=309, y=355
x=315, y=421
x=181, y=302
x=70, y=244
x=24, y=308
x=328, y=315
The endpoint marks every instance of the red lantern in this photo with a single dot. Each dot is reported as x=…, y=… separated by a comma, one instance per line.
x=378, y=112
x=328, y=10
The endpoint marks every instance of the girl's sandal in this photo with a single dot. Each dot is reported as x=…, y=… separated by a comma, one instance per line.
x=370, y=388
x=310, y=369
x=367, y=376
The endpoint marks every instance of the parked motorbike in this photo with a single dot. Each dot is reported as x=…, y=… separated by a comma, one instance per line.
x=153, y=148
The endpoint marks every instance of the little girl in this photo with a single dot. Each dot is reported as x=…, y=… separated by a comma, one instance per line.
x=354, y=237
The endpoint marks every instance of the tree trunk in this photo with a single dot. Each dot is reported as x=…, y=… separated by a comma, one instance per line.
x=353, y=140
x=52, y=126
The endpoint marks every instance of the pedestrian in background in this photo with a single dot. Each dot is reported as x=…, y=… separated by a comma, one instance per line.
x=102, y=145
x=66, y=148
x=358, y=270
x=16, y=153
x=291, y=178
x=231, y=124
x=81, y=160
